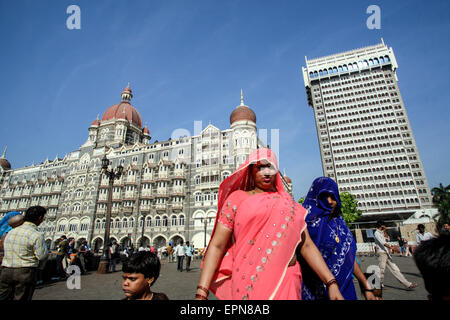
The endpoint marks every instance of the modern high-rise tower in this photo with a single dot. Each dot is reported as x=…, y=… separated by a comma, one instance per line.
x=365, y=138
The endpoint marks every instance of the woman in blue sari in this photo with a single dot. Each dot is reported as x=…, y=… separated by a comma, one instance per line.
x=335, y=242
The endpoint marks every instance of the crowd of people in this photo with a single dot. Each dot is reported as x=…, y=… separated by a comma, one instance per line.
x=264, y=246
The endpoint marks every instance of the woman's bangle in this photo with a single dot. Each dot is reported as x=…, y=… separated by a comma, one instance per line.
x=201, y=297
x=204, y=289
x=329, y=283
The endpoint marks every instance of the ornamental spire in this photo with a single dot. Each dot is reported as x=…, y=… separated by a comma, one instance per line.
x=242, y=98
x=4, y=152
x=126, y=94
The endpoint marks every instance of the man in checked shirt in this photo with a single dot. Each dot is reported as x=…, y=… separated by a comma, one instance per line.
x=24, y=248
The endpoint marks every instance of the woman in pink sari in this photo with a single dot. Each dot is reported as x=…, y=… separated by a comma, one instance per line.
x=258, y=229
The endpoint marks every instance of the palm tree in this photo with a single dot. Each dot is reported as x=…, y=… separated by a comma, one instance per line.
x=441, y=198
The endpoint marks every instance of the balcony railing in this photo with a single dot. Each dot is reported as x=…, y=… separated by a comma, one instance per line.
x=161, y=206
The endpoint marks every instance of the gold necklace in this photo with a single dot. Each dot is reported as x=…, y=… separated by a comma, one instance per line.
x=336, y=237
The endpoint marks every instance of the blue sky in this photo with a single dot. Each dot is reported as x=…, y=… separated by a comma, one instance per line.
x=187, y=60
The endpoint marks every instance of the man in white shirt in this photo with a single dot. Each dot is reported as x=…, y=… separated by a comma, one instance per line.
x=422, y=235
x=180, y=252
x=385, y=259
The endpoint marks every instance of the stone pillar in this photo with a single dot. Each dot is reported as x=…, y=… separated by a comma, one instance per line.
x=359, y=236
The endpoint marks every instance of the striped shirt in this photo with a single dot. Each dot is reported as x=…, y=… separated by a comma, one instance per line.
x=24, y=247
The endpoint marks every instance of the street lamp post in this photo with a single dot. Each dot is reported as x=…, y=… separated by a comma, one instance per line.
x=111, y=174
x=205, y=223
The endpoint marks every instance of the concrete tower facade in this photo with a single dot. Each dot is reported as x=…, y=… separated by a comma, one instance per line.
x=365, y=138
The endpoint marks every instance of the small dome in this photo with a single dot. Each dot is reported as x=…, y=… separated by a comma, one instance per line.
x=5, y=164
x=288, y=180
x=146, y=131
x=242, y=112
x=95, y=123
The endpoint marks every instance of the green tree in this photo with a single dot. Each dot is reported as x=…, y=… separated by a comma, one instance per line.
x=301, y=200
x=349, y=209
x=441, y=198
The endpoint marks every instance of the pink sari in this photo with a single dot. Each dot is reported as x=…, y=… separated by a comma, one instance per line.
x=267, y=229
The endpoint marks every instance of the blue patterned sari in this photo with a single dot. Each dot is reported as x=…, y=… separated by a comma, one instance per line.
x=4, y=226
x=333, y=239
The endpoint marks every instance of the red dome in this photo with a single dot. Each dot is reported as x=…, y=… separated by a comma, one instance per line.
x=123, y=110
x=288, y=180
x=95, y=123
x=146, y=131
x=242, y=113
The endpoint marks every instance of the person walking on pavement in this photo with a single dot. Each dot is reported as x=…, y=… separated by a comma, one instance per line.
x=385, y=259
x=406, y=248
x=189, y=252
x=25, y=251
x=63, y=251
x=170, y=252
x=113, y=255
x=422, y=235
x=400, y=245
x=180, y=252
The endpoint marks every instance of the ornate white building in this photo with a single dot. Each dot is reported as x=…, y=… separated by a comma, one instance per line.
x=168, y=190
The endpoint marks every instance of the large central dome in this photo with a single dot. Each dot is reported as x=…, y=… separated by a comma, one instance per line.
x=124, y=110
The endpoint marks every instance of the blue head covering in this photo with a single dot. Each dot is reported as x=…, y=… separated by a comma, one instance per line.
x=4, y=226
x=324, y=229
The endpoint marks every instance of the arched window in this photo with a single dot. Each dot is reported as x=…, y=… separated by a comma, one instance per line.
x=157, y=221
x=131, y=225
x=149, y=221
x=181, y=220
x=117, y=223
x=165, y=221
x=174, y=220
x=125, y=223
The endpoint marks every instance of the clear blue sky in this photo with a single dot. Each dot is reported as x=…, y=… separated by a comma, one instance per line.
x=187, y=60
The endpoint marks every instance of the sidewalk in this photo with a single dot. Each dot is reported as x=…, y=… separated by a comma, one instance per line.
x=182, y=285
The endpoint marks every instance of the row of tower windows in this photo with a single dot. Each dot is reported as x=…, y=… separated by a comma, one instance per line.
x=360, y=65
x=388, y=202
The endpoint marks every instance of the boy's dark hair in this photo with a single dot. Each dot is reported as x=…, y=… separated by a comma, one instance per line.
x=34, y=213
x=420, y=226
x=432, y=258
x=145, y=262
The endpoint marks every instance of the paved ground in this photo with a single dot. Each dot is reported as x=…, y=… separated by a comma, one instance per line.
x=181, y=285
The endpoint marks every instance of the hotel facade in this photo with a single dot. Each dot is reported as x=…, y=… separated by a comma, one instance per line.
x=168, y=190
